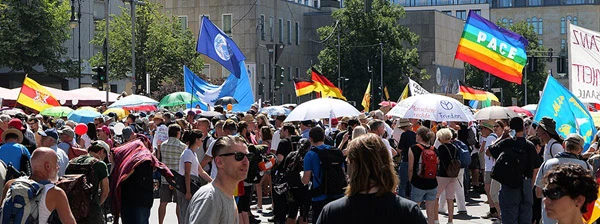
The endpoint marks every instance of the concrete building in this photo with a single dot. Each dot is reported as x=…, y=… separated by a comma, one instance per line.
x=457, y=8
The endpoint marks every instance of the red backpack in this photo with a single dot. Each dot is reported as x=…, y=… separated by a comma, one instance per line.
x=427, y=163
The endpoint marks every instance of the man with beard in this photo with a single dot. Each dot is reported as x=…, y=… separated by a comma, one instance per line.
x=214, y=202
x=44, y=162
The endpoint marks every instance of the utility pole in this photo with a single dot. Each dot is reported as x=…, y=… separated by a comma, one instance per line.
x=338, y=51
x=133, y=75
x=381, y=71
x=106, y=17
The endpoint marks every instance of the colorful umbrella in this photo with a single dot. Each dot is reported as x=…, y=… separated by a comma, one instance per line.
x=388, y=103
x=177, y=99
x=57, y=111
x=88, y=108
x=121, y=113
x=83, y=116
x=135, y=102
x=521, y=110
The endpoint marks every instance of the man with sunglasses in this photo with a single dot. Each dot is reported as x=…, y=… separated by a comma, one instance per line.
x=573, y=147
x=214, y=202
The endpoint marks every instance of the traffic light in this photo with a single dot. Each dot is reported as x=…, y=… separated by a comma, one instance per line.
x=279, y=78
x=99, y=78
x=561, y=64
x=261, y=88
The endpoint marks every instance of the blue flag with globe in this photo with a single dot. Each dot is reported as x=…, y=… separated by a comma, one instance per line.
x=570, y=114
x=215, y=44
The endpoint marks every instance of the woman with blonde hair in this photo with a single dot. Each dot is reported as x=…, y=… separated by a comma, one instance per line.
x=372, y=180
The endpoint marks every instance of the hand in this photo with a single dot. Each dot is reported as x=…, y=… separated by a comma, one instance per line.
x=188, y=196
x=346, y=136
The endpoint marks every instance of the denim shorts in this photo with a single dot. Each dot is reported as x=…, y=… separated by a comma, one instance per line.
x=419, y=195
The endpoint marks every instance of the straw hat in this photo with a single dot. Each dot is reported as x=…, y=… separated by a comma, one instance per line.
x=12, y=131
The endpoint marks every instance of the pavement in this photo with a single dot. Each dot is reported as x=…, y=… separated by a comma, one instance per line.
x=476, y=208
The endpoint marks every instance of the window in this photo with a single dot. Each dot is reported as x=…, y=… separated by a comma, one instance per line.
x=510, y=22
x=477, y=11
x=263, y=71
x=297, y=33
x=461, y=14
x=534, y=2
x=537, y=25
x=271, y=27
x=504, y=21
x=226, y=24
x=447, y=12
x=563, y=44
x=183, y=20
x=540, y=43
x=262, y=26
x=297, y=72
x=540, y=26
x=290, y=73
x=505, y=3
x=280, y=30
x=289, y=32
x=563, y=25
x=206, y=70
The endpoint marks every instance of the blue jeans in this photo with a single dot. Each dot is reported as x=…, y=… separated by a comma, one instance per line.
x=516, y=203
x=404, y=186
x=135, y=215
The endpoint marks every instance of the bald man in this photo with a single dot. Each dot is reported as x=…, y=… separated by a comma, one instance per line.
x=44, y=164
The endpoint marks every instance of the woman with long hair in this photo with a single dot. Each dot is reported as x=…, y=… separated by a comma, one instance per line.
x=372, y=180
x=568, y=190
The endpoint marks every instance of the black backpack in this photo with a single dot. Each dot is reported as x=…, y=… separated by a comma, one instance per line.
x=507, y=169
x=254, y=173
x=332, y=177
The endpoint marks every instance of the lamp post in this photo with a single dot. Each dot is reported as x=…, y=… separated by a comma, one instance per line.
x=74, y=23
x=133, y=75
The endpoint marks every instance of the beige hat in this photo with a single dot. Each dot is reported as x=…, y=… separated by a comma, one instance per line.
x=487, y=125
x=12, y=131
x=362, y=116
x=158, y=115
x=403, y=122
x=576, y=139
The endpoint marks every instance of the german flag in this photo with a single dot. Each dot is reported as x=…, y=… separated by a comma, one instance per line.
x=303, y=86
x=469, y=93
x=324, y=86
x=36, y=96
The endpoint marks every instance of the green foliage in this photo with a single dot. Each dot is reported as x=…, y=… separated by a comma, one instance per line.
x=535, y=80
x=358, y=28
x=162, y=46
x=32, y=33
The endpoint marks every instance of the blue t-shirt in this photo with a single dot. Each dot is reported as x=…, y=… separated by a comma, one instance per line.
x=11, y=153
x=313, y=163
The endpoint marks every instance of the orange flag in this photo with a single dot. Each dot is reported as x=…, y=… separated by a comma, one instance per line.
x=36, y=96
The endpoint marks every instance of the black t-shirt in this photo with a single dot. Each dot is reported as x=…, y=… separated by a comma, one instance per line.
x=284, y=148
x=421, y=183
x=368, y=208
x=137, y=190
x=339, y=138
x=528, y=156
x=445, y=153
x=407, y=139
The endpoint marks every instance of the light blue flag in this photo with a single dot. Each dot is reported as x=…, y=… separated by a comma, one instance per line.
x=571, y=116
x=238, y=88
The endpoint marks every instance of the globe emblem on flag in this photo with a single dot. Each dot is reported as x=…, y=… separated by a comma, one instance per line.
x=221, y=48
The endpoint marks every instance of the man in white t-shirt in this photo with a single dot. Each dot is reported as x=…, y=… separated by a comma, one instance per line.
x=486, y=139
x=546, y=131
x=277, y=135
x=377, y=127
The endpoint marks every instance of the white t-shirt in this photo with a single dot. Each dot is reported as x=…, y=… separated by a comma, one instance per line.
x=275, y=140
x=489, y=161
x=213, y=167
x=188, y=156
x=86, y=141
x=389, y=147
x=551, y=149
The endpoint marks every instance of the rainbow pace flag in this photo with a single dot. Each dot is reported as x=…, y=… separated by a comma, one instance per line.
x=493, y=49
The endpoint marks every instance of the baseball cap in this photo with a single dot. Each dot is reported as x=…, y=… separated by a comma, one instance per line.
x=104, y=129
x=127, y=132
x=16, y=124
x=67, y=131
x=51, y=132
x=576, y=139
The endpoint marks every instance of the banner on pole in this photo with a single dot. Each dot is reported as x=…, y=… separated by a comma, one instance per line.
x=584, y=64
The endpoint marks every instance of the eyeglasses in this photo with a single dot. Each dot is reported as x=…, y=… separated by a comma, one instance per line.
x=239, y=156
x=554, y=194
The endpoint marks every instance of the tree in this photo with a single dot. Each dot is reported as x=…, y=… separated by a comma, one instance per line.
x=162, y=46
x=32, y=32
x=360, y=34
x=535, y=79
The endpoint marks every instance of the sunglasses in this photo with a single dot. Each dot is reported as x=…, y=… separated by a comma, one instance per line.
x=554, y=194
x=239, y=156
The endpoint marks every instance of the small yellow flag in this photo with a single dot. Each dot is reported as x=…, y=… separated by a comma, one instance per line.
x=404, y=94
x=366, y=102
x=387, y=94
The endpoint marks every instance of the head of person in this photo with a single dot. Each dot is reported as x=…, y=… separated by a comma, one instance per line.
x=4, y=119
x=266, y=133
x=287, y=130
x=193, y=138
x=486, y=128
x=370, y=165
x=499, y=127
x=377, y=127
x=343, y=123
x=546, y=129
x=219, y=128
x=190, y=116
x=44, y=164
x=279, y=120
x=34, y=124
x=229, y=127
x=158, y=118
x=403, y=124
x=307, y=124
x=352, y=123
x=444, y=135
x=231, y=158
x=127, y=134
x=168, y=117
x=262, y=120
x=12, y=135
x=49, y=137
x=358, y=131
x=16, y=124
x=99, y=149
x=424, y=135
x=98, y=122
x=568, y=189
x=203, y=125
x=242, y=127
x=66, y=134
x=316, y=135
x=378, y=115
x=363, y=118
x=103, y=133
x=574, y=143
x=174, y=131
x=536, y=142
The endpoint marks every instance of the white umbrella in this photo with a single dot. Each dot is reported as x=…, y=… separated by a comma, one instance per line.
x=275, y=110
x=495, y=112
x=432, y=107
x=322, y=108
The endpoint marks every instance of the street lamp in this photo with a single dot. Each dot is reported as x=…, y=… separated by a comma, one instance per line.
x=73, y=23
x=133, y=4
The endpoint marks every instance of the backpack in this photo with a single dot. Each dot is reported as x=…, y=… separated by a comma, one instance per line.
x=453, y=167
x=507, y=169
x=463, y=153
x=254, y=172
x=75, y=152
x=332, y=180
x=21, y=202
x=79, y=185
x=427, y=163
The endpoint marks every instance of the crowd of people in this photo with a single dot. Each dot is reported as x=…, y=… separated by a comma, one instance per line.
x=367, y=168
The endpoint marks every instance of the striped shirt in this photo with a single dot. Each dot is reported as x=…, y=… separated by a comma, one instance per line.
x=170, y=152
